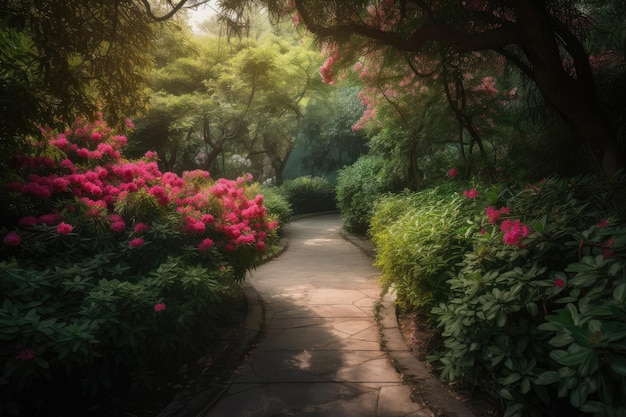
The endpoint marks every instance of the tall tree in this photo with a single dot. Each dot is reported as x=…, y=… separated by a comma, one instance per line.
x=549, y=41
x=63, y=58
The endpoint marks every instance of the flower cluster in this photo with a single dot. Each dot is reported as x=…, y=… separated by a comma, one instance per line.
x=94, y=181
x=514, y=232
x=493, y=215
x=471, y=193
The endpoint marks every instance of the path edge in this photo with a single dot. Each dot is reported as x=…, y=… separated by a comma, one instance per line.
x=197, y=402
x=426, y=388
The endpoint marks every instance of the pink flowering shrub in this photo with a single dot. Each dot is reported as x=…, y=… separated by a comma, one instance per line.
x=528, y=292
x=94, y=247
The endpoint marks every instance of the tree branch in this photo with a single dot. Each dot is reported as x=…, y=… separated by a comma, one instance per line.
x=175, y=9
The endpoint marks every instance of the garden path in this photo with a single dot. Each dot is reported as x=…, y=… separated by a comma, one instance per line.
x=320, y=352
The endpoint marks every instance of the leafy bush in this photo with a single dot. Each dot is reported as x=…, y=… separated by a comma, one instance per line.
x=537, y=309
x=310, y=194
x=358, y=187
x=277, y=204
x=111, y=268
x=419, y=239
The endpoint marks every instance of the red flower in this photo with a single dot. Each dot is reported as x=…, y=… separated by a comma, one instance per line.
x=453, y=172
x=559, y=282
x=603, y=223
x=159, y=307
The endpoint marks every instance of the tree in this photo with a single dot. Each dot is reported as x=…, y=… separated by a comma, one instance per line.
x=218, y=99
x=550, y=42
x=63, y=58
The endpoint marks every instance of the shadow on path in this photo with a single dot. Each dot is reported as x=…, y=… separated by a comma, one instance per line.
x=320, y=354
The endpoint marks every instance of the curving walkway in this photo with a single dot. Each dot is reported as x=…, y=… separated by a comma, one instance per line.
x=320, y=354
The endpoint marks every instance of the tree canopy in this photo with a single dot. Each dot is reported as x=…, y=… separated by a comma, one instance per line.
x=559, y=46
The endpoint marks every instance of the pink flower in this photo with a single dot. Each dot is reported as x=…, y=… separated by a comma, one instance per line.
x=118, y=226
x=64, y=228
x=559, y=282
x=159, y=307
x=603, y=223
x=205, y=245
x=50, y=218
x=471, y=193
x=28, y=221
x=514, y=232
x=12, y=239
x=26, y=354
x=140, y=227
x=136, y=243
x=453, y=172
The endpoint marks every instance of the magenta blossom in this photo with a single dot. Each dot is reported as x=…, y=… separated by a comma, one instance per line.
x=205, y=245
x=12, y=239
x=28, y=221
x=118, y=226
x=26, y=354
x=136, y=243
x=472, y=193
x=64, y=228
x=140, y=227
x=559, y=282
x=159, y=307
x=514, y=232
x=453, y=172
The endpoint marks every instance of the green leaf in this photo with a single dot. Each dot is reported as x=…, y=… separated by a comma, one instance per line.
x=547, y=378
x=619, y=293
x=617, y=363
x=510, y=379
x=579, y=395
x=570, y=358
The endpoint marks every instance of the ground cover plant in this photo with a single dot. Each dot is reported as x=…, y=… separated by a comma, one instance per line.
x=530, y=295
x=111, y=268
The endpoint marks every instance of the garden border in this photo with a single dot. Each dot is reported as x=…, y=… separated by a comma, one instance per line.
x=426, y=388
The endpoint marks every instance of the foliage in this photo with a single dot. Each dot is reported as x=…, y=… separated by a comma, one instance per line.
x=62, y=58
x=310, y=194
x=553, y=46
x=212, y=100
x=277, y=204
x=419, y=239
x=536, y=309
x=359, y=186
x=111, y=268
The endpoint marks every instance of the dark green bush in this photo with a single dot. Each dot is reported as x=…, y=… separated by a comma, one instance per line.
x=537, y=308
x=310, y=194
x=528, y=288
x=359, y=186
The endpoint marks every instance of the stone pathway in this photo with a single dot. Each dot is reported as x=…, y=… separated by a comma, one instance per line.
x=320, y=354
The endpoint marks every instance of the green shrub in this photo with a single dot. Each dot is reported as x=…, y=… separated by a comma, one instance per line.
x=419, y=238
x=277, y=204
x=358, y=187
x=310, y=194
x=537, y=309
x=111, y=269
